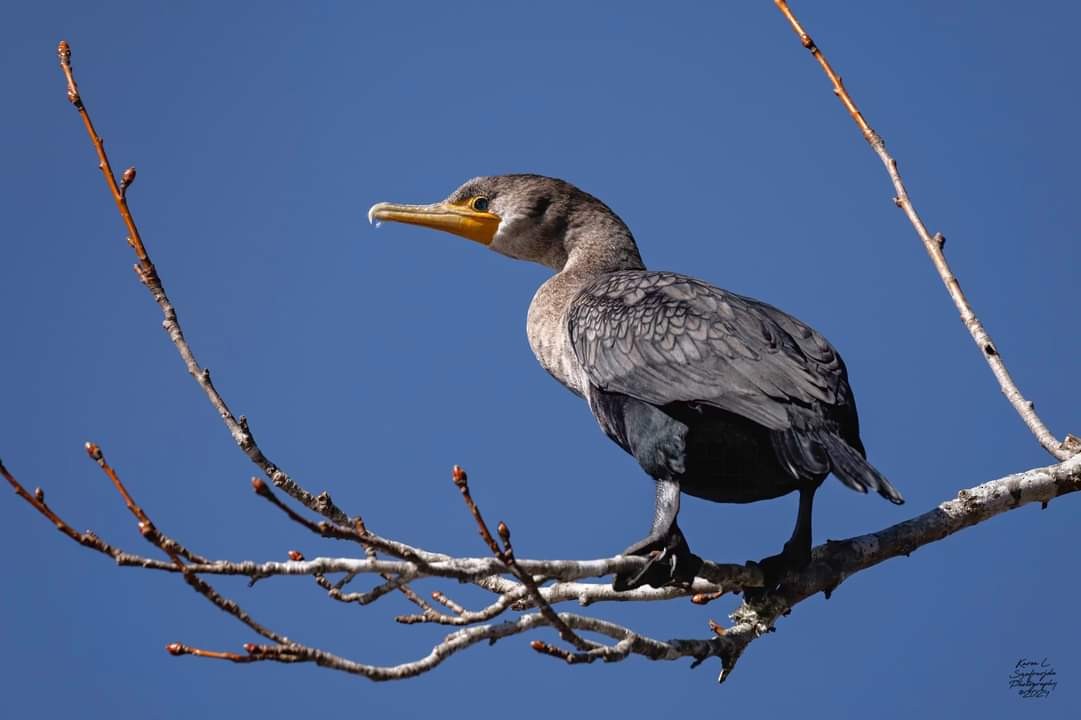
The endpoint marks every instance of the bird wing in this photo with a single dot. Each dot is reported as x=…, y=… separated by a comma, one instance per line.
x=667, y=338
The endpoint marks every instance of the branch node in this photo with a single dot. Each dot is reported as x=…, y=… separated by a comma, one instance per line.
x=94, y=452
x=459, y=476
x=545, y=649
x=940, y=240
x=125, y=182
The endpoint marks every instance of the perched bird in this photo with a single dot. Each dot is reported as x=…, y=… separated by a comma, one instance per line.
x=716, y=395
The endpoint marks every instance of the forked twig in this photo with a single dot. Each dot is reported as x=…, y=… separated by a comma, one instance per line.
x=171, y=547
x=934, y=245
x=506, y=554
x=177, y=553
x=86, y=539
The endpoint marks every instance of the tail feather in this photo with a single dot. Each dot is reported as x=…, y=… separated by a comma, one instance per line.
x=853, y=470
x=812, y=453
x=801, y=454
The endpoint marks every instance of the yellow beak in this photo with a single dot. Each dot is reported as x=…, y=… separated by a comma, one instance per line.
x=456, y=218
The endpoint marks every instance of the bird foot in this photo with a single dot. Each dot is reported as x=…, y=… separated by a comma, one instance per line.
x=777, y=568
x=669, y=562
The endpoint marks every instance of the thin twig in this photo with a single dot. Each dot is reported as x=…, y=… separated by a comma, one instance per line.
x=356, y=532
x=934, y=244
x=178, y=553
x=506, y=554
x=608, y=653
x=182, y=649
x=628, y=642
x=86, y=539
x=148, y=275
x=170, y=546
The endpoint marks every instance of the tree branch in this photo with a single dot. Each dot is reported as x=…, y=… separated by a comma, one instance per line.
x=934, y=244
x=831, y=564
x=148, y=275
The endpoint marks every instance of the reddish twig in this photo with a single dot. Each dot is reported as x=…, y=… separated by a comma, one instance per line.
x=171, y=547
x=148, y=275
x=118, y=191
x=357, y=532
x=447, y=602
x=506, y=554
x=177, y=553
x=181, y=649
x=86, y=539
x=934, y=245
x=604, y=652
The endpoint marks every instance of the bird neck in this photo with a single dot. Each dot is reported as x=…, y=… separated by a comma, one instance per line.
x=594, y=251
x=546, y=327
x=591, y=254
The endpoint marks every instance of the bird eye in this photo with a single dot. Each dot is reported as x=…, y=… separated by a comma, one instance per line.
x=480, y=204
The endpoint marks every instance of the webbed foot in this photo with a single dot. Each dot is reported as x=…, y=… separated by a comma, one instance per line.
x=670, y=562
x=776, y=568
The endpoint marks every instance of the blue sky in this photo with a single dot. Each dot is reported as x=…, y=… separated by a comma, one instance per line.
x=371, y=361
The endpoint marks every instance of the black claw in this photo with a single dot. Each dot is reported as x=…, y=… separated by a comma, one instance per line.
x=777, y=568
x=669, y=562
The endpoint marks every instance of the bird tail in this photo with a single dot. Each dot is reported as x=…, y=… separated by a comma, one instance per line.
x=853, y=470
x=813, y=453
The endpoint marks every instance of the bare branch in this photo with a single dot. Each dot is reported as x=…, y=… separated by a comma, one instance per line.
x=831, y=564
x=171, y=547
x=148, y=275
x=86, y=539
x=506, y=554
x=177, y=553
x=628, y=642
x=934, y=245
x=834, y=562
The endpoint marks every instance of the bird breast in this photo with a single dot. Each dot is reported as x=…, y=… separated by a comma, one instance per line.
x=546, y=327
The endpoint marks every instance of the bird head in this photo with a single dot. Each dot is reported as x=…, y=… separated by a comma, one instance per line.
x=527, y=217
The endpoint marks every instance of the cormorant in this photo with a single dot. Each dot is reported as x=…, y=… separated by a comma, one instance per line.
x=717, y=395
